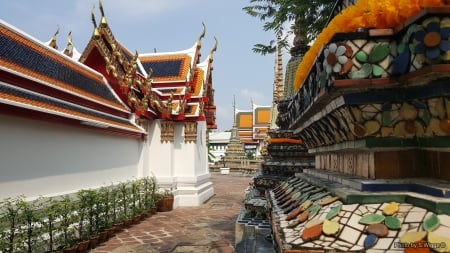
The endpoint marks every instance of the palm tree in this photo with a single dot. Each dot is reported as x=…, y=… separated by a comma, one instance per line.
x=308, y=18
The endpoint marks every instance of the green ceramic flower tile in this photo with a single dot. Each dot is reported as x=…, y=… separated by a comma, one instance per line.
x=372, y=218
x=319, y=196
x=431, y=223
x=333, y=212
x=309, y=188
x=313, y=210
x=392, y=222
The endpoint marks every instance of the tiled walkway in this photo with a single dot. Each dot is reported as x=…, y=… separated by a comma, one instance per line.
x=207, y=228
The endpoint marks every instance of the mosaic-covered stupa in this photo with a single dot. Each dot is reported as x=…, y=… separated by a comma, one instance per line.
x=371, y=103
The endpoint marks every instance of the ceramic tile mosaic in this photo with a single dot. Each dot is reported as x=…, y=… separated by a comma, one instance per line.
x=403, y=218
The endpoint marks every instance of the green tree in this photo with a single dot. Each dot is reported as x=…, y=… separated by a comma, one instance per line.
x=211, y=156
x=250, y=155
x=308, y=18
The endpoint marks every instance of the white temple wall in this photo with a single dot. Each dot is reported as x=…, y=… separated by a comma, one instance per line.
x=160, y=156
x=38, y=158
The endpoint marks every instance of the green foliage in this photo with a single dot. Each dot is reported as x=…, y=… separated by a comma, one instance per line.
x=47, y=225
x=309, y=17
x=211, y=156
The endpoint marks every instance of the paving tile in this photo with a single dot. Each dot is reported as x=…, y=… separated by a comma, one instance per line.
x=205, y=224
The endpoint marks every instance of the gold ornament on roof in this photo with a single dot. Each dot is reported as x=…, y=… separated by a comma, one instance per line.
x=96, y=33
x=69, y=47
x=202, y=35
x=214, y=49
x=103, y=22
x=53, y=40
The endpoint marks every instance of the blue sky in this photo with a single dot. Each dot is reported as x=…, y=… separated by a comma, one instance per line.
x=167, y=25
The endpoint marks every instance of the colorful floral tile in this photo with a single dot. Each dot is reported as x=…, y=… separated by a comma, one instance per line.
x=411, y=237
x=380, y=230
x=392, y=222
x=391, y=208
x=330, y=228
x=431, y=222
x=313, y=210
x=312, y=233
x=333, y=212
x=440, y=243
x=313, y=223
x=328, y=200
x=372, y=218
x=370, y=240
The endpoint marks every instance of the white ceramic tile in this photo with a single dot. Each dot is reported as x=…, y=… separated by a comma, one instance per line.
x=383, y=243
x=349, y=234
x=354, y=222
x=444, y=219
x=442, y=231
x=414, y=217
x=297, y=241
x=349, y=208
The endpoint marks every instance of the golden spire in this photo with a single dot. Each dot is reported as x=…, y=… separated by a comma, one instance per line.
x=214, y=49
x=69, y=46
x=103, y=22
x=53, y=43
x=202, y=35
x=96, y=34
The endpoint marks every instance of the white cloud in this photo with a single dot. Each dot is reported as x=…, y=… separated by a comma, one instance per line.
x=256, y=96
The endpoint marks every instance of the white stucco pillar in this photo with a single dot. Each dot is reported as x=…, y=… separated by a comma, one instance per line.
x=160, y=156
x=191, y=172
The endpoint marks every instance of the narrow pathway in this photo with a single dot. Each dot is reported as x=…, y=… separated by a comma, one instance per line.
x=207, y=228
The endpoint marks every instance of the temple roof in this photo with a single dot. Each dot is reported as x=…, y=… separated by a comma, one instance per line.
x=38, y=78
x=170, y=66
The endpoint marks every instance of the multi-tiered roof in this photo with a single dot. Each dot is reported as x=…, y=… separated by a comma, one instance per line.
x=106, y=86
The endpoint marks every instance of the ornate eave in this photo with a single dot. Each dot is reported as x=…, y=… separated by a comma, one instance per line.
x=122, y=69
x=34, y=84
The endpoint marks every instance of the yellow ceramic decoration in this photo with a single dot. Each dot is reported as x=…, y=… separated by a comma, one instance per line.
x=330, y=227
x=411, y=237
x=390, y=209
x=438, y=243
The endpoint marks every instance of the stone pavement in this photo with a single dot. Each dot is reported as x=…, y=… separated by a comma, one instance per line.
x=208, y=228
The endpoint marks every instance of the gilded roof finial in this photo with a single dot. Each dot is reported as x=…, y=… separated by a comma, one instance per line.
x=202, y=35
x=96, y=33
x=149, y=77
x=103, y=22
x=53, y=40
x=69, y=46
x=214, y=49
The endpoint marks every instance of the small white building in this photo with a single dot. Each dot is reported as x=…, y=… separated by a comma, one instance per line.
x=218, y=142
